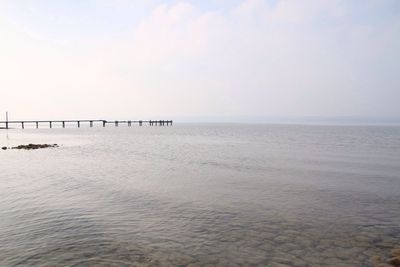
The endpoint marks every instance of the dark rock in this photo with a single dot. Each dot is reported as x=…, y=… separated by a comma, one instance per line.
x=394, y=261
x=395, y=252
x=34, y=146
x=4, y=148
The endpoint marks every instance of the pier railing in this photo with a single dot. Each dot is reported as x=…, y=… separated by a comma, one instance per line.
x=62, y=123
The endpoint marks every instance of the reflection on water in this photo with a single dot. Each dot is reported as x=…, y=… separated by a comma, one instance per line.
x=192, y=195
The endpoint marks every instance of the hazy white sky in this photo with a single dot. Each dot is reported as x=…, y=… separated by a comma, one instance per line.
x=216, y=58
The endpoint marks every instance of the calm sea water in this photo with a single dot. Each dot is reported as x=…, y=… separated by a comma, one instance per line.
x=197, y=195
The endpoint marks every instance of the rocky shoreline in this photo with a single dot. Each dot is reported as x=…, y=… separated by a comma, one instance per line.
x=31, y=146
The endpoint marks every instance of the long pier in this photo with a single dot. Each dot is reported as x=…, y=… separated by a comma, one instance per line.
x=78, y=123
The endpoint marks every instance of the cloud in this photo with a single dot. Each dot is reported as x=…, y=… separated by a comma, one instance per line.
x=169, y=32
x=308, y=10
x=264, y=58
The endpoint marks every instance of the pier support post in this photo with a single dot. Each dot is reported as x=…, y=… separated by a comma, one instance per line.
x=79, y=124
x=104, y=123
x=63, y=123
x=37, y=125
x=22, y=124
x=91, y=123
x=140, y=123
x=50, y=124
x=129, y=123
x=6, y=119
x=116, y=123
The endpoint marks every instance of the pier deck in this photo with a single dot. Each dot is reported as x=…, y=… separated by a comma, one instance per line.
x=116, y=123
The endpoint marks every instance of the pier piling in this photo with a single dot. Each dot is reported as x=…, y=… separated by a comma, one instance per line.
x=6, y=119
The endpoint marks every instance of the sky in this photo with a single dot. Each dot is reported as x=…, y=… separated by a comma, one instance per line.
x=193, y=60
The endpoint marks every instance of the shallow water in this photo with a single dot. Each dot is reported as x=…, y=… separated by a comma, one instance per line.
x=266, y=195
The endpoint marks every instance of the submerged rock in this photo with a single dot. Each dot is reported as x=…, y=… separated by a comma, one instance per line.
x=4, y=148
x=376, y=260
x=34, y=146
x=394, y=261
x=395, y=252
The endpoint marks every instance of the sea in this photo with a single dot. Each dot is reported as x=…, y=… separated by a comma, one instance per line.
x=200, y=195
